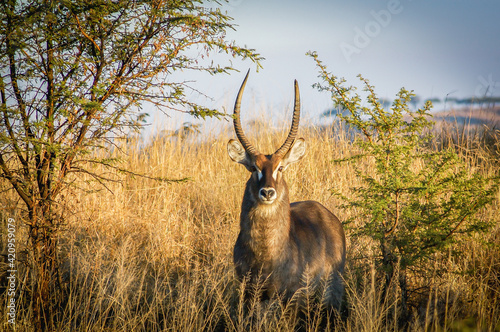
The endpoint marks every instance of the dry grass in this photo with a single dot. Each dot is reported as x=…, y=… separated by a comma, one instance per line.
x=146, y=256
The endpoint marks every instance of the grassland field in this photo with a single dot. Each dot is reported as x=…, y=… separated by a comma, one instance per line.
x=143, y=255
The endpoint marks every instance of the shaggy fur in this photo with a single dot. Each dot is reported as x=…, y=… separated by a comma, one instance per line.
x=281, y=244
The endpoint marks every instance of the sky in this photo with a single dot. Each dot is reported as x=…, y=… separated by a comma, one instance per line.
x=438, y=48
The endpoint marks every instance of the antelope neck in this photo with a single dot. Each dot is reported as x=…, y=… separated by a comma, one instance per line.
x=267, y=227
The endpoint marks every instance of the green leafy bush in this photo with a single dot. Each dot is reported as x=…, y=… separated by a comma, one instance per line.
x=415, y=199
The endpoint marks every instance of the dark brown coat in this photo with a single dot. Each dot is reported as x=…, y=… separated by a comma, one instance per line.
x=283, y=245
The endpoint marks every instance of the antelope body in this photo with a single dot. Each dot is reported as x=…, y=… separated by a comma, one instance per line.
x=280, y=244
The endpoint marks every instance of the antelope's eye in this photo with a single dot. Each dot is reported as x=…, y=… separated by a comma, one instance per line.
x=280, y=169
x=253, y=169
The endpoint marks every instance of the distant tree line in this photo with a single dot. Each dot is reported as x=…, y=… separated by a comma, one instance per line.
x=417, y=101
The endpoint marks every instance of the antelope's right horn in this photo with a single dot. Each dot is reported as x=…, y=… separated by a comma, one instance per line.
x=237, y=121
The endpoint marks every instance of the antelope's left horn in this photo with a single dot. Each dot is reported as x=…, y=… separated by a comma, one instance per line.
x=295, y=125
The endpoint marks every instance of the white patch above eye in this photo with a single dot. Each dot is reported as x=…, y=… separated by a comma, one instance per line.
x=259, y=173
x=276, y=170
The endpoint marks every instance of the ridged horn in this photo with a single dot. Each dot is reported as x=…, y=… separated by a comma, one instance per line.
x=237, y=121
x=295, y=125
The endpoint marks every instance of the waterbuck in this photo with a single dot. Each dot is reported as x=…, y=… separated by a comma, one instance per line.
x=280, y=245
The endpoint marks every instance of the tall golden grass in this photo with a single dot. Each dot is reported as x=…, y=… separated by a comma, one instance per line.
x=141, y=255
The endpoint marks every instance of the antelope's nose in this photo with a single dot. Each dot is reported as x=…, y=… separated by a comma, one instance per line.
x=267, y=194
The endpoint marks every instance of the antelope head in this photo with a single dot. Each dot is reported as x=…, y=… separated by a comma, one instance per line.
x=267, y=182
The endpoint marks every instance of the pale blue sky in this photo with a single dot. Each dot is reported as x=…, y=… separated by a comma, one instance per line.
x=432, y=47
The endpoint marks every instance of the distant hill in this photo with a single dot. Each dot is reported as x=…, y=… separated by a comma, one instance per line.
x=470, y=116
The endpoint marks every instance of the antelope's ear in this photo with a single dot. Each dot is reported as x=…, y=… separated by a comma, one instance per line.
x=238, y=154
x=296, y=152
